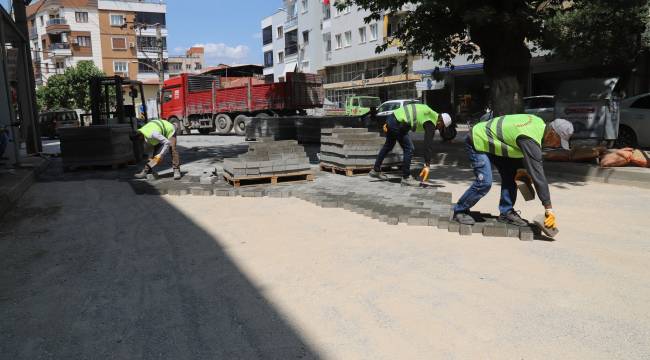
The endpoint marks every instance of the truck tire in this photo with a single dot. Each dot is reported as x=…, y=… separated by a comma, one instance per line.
x=240, y=125
x=180, y=129
x=626, y=138
x=223, y=123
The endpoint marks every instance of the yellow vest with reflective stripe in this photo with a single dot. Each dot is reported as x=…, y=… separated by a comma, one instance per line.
x=164, y=127
x=416, y=115
x=499, y=135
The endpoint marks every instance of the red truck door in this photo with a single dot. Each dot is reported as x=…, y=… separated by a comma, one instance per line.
x=173, y=98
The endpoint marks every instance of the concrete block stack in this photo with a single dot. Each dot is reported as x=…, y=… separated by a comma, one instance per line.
x=276, y=128
x=268, y=158
x=354, y=148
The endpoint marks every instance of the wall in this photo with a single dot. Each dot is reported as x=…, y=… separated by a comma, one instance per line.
x=107, y=33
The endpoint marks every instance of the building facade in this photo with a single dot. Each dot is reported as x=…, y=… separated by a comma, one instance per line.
x=311, y=36
x=192, y=62
x=119, y=36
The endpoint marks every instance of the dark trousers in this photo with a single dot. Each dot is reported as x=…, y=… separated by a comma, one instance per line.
x=482, y=166
x=397, y=133
x=176, y=159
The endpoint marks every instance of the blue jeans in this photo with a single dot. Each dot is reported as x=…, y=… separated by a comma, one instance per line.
x=397, y=133
x=482, y=166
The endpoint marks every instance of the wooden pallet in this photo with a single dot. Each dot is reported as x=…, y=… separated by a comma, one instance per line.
x=352, y=170
x=274, y=179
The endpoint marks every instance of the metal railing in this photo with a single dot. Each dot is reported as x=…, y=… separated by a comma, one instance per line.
x=60, y=46
x=149, y=49
x=291, y=22
x=57, y=21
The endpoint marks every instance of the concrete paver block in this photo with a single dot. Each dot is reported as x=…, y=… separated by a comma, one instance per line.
x=466, y=230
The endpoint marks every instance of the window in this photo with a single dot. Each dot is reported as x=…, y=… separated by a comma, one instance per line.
x=641, y=103
x=347, y=9
x=176, y=66
x=305, y=37
x=167, y=96
x=120, y=67
x=305, y=5
x=83, y=41
x=117, y=20
x=280, y=57
x=188, y=66
x=327, y=39
x=291, y=43
x=280, y=32
x=339, y=41
x=81, y=17
x=336, y=11
x=373, y=32
x=268, y=79
x=267, y=35
x=327, y=11
x=362, y=35
x=150, y=18
x=268, y=59
x=348, y=38
x=42, y=21
x=119, y=43
x=197, y=66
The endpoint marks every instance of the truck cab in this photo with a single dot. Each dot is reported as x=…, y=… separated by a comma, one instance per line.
x=360, y=105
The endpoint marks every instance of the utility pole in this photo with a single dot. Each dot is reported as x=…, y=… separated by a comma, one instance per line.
x=161, y=65
x=26, y=83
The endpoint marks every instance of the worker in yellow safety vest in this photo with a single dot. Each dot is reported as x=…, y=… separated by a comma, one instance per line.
x=161, y=134
x=416, y=118
x=511, y=143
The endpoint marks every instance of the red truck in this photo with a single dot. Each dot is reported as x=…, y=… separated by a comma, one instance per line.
x=200, y=102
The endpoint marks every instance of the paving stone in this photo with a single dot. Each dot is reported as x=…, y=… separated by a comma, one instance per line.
x=453, y=227
x=496, y=230
x=177, y=192
x=418, y=221
x=207, y=180
x=433, y=221
x=466, y=230
x=513, y=231
x=526, y=234
x=477, y=228
x=443, y=223
x=200, y=191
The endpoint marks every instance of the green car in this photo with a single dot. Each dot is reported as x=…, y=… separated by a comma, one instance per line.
x=360, y=105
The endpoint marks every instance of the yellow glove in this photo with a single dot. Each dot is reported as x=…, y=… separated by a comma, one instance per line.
x=385, y=128
x=424, y=174
x=522, y=175
x=549, y=222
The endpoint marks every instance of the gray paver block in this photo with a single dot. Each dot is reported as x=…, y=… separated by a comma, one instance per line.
x=418, y=221
x=513, y=231
x=433, y=221
x=526, y=234
x=496, y=230
x=443, y=223
x=208, y=180
x=199, y=191
x=453, y=227
x=177, y=192
x=466, y=230
x=478, y=227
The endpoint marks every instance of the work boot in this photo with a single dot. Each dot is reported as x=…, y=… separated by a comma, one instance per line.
x=377, y=175
x=177, y=174
x=512, y=218
x=464, y=218
x=142, y=174
x=409, y=181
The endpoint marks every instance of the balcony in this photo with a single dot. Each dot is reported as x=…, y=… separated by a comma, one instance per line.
x=291, y=23
x=60, y=50
x=57, y=26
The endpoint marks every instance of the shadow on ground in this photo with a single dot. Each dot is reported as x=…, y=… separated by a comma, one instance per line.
x=89, y=270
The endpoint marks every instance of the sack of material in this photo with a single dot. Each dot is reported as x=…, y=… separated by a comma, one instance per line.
x=624, y=157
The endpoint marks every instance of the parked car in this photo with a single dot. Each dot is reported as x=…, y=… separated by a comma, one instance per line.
x=634, y=128
x=542, y=106
x=50, y=122
x=360, y=105
x=390, y=106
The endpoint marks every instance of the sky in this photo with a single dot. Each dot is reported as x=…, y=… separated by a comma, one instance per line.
x=229, y=30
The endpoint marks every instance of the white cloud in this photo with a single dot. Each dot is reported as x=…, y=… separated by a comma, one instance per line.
x=216, y=53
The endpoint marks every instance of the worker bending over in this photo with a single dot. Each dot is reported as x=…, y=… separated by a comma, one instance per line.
x=412, y=117
x=161, y=134
x=510, y=143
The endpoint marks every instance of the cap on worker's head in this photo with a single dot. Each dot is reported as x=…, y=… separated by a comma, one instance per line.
x=446, y=119
x=564, y=129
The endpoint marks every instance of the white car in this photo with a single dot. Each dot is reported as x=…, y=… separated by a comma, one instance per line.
x=634, y=128
x=388, y=107
x=542, y=105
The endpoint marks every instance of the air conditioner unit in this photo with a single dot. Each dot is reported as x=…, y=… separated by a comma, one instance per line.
x=132, y=45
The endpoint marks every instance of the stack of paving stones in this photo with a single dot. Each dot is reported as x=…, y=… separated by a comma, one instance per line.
x=308, y=129
x=384, y=201
x=276, y=128
x=354, y=148
x=268, y=158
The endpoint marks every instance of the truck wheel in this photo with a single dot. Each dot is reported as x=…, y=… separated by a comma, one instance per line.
x=626, y=138
x=240, y=125
x=223, y=123
x=180, y=129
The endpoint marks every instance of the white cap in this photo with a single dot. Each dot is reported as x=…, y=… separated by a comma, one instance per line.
x=446, y=119
x=564, y=129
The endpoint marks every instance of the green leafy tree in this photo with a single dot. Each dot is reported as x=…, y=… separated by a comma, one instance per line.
x=500, y=32
x=78, y=78
x=57, y=94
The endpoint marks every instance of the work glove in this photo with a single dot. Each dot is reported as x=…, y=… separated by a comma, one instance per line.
x=522, y=175
x=549, y=221
x=424, y=174
x=385, y=128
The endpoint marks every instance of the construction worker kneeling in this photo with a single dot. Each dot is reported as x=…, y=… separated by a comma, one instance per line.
x=511, y=143
x=416, y=118
x=160, y=134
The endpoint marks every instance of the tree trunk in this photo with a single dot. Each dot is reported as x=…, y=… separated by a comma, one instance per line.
x=506, y=95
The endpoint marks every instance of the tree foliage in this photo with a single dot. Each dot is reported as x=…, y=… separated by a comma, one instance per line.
x=503, y=33
x=70, y=89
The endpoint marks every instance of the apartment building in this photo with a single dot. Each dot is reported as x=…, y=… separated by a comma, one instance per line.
x=312, y=36
x=119, y=36
x=192, y=62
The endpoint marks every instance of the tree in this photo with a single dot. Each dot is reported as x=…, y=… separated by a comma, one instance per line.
x=501, y=32
x=611, y=34
x=70, y=89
